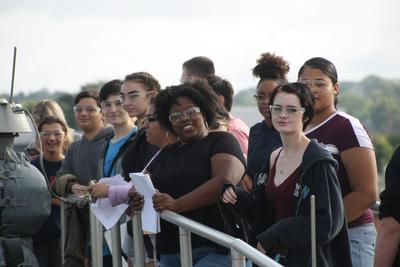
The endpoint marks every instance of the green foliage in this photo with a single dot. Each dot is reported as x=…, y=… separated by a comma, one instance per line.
x=66, y=102
x=383, y=150
x=245, y=97
x=92, y=86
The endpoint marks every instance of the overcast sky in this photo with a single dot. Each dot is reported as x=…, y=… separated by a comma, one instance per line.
x=65, y=44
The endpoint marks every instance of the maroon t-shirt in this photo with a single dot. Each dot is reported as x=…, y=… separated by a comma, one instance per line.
x=336, y=134
x=281, y=196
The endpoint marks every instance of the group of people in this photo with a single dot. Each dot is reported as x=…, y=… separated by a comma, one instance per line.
x=209, y=166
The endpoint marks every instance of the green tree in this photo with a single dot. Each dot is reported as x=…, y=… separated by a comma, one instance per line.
x=66, y=102
x=383, y=151
x=92, y=86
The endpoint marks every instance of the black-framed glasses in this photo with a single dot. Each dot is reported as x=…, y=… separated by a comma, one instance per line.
x=189, y=112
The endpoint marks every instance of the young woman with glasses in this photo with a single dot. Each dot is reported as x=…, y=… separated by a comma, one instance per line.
x=348, y=141
x=190, y=173
x=53, y=134
x=279, y=206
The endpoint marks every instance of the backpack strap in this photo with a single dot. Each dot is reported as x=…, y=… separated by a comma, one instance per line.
x=13, y=253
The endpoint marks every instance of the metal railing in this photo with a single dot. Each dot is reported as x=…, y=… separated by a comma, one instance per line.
x=239, y=249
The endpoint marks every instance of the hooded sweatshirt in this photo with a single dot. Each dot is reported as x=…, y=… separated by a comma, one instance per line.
x=81, y=161
x=294, y=233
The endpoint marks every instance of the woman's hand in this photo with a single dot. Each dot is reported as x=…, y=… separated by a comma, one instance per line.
x=136, y=202
x=163, y=201
x=79, y=190
x=229, y=196
x=98, y=190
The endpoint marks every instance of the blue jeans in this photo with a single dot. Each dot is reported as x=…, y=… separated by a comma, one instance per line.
x=202, y=257
x=362, y=244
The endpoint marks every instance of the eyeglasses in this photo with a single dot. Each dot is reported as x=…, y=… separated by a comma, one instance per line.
x=149, y=118
x=290, y=111
x=88, y=109
x=177, y=116
x=108, y=104
x=320, y=84
x=56, y=134
x=261, y=98
x=132, y=96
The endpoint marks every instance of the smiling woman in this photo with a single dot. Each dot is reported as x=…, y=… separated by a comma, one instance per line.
x=53, y=135
x=190, y=173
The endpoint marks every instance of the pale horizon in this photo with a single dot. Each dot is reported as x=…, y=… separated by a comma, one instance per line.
x=64, y=45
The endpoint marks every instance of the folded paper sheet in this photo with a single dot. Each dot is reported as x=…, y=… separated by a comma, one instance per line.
x=102, y=209
x=150, y=218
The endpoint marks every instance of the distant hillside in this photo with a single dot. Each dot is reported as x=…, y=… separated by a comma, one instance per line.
x=245, y=97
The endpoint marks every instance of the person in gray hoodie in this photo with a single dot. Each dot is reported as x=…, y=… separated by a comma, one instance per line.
x=78, y=169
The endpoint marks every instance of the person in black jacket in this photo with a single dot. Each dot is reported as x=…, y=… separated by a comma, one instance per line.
x=387, y=251
x=279, y=205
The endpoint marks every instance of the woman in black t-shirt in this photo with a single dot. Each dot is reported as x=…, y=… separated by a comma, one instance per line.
x=190, y=173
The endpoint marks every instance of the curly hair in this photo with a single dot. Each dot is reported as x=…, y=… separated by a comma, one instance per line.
x=145, y=79
x=199, y=92
x=271, y=67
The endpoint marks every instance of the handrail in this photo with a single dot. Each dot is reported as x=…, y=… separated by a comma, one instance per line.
x=239, y=248
x=219, y=238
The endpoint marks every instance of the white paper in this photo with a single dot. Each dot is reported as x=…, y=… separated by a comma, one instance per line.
x=102, y=209
x=150, y=217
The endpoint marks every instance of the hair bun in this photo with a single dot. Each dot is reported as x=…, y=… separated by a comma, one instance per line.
x=270, y=66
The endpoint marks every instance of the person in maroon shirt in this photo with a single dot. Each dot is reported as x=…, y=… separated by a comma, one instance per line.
x=348, y=141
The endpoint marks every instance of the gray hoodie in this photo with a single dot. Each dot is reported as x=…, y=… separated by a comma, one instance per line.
x=80, y=163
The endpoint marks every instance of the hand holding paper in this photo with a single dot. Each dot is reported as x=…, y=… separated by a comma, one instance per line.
x=102, y=208
x=150, y=218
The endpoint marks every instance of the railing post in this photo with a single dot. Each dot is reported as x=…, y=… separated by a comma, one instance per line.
x=96, y=241
x=116, y=245
x=238, y=260
x=185, y=242
x=62, y=224
x=138, y=240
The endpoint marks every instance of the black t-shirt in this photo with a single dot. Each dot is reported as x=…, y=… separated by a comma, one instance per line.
x=390, y=197
x=178, y=170
x=50, y=230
